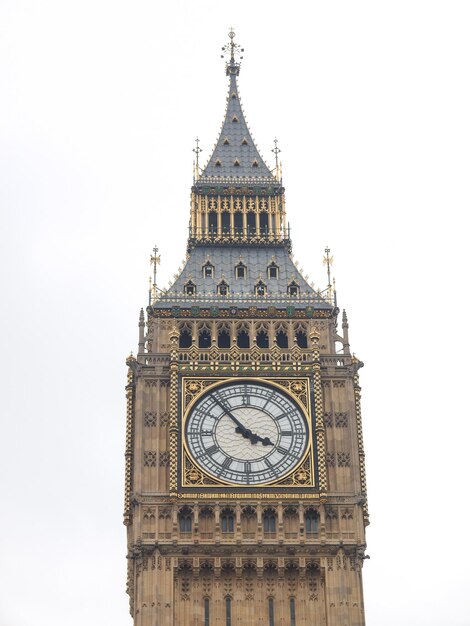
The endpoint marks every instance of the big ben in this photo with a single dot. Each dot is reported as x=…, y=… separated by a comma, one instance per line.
x=245, y=492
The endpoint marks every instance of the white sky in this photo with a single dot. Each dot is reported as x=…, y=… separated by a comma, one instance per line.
x=100, y=103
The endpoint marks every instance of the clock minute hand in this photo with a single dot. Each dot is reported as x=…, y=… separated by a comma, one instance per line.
x=241, y=429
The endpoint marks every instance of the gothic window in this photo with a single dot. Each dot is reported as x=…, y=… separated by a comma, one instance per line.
x=204, y=338
x=186, y=339
x=273, y=270
x=243, y=339
x=190, y=288
x=281, y=338
x=218, y=163
x=227, y=521
x=244, y=142
x=301, y=337
x=225, y=223
x=223, y=338
x=263, y=223
x=206, y=611
x=311, y=522
x=260, y=288
x=293, y=289
x=206, y=523
x=291, y=522
x=238, y=223
x=228, y=611
x=292, y=611
x=248, y=522
x=226, y=141
x=213, y=222
x=222, y=288
x=235, y=119
x=185, y=520
x=271, y=611
x=262, y=340
x=255, y=163
x=237, y=163
x=240, y=270
x=251, y=223
x=269, y=521
x=208, y=270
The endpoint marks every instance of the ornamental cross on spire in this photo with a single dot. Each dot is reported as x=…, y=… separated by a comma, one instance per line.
x=231, y=50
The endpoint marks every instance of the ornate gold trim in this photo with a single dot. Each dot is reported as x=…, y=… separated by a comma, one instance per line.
x=192, y=475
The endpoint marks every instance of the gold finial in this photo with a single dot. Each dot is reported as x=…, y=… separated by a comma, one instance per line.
x=328, y=261
x=276, y=151
x=197, y=150
x=233, y=50
x=154, y=260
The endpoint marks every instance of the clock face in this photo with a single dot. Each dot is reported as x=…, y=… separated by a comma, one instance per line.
x=246, y=433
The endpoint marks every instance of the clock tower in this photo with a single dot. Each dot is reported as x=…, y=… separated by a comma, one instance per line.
x=245, y=493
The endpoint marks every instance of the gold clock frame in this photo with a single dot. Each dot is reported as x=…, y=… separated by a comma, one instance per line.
x=192, y=476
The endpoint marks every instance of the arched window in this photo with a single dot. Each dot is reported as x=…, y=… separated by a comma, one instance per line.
x=301, y=337
x=213, y=222
x=281, y=338
x=238, y=223
x=273, y=271
x=260, y=288
x=243, y=339
x=227, y=521
x=269, y=521
x=223, y=338
x=228, y=611
x=293, y=289
x=222, y=288
x=251, y=223
x=311, y=522
x=190, y=288
x=204, y=338
x=271, y=611
x=206, y=612
x=263, y=223
x=292, y=611
x=185, y=520
x=225, y=223
x=208, y=270
x=262, y=339
x=186, y=338
x=240, y=270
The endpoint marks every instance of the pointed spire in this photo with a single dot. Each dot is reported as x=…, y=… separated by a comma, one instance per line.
x=346, y=333
x=235, y=154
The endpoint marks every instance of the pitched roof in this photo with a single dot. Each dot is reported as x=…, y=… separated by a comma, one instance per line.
x=235, y=153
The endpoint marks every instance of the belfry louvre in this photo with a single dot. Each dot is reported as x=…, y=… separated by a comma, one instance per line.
x=245, y=491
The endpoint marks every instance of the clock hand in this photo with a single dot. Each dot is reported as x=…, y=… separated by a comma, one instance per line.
x=245, y=432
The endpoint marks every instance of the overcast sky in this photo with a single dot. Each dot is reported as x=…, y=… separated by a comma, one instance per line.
x=100, y=104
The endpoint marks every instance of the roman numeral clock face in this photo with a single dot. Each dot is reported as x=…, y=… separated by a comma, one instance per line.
x=246, y=433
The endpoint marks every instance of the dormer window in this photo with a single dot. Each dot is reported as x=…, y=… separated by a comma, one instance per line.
x=237, y=163
x=255, y=164
x=260, y=288
x=190, y=288
x=222, y=288
x=244, y=142
x=273, y=271
x=235, y=119
x=218, y=163
x=226, y=142
x=293, y=289
x=240, y=271
x=208, y=270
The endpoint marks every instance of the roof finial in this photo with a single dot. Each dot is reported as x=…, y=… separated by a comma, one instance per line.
x=328, y=261
x=155, y=260
x=232, y=67
x=197, y=150
x=276, y=151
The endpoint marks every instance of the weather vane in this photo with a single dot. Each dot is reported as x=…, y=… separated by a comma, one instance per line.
x=232, y=50
x=328, y=261
x=197, y=150
x=154, y=260
x=276, y=151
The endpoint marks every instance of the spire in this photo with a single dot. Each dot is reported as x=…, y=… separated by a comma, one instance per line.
x=235, y=154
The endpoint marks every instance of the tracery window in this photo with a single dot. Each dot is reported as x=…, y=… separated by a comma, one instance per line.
x=185, y=520
x=281, y=338
x=186, y=338
x=227, y=521
x=204, y=338
x=269, y=521
x=223, y=337
x=243, y=338
x=301, y=337
x=311, y=522
x=262, y=339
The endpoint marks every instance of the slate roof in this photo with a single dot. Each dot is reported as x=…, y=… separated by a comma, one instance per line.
x=241, y=291
x=235, y=145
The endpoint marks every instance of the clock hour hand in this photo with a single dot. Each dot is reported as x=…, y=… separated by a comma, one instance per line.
x=245, y=432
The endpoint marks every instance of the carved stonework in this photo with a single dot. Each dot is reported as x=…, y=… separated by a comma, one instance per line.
x=150, y=458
